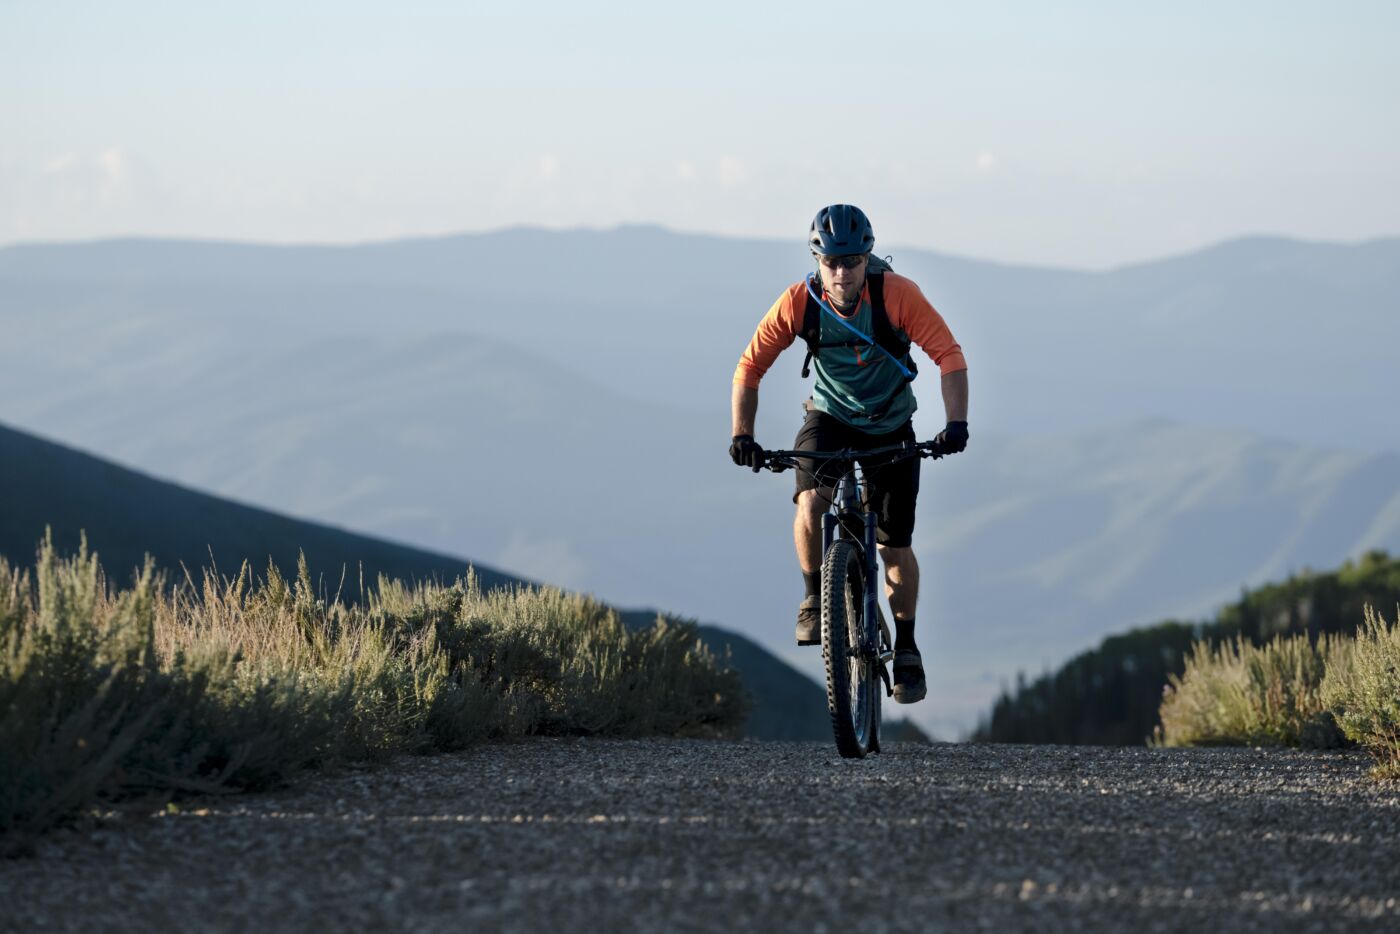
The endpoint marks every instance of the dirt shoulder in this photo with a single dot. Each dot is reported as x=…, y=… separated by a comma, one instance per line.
x=695, y=835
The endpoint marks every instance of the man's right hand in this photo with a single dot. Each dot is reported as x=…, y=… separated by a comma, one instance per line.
x=746, y=452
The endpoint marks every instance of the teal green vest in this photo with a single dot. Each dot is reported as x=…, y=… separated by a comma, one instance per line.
x=860, y=385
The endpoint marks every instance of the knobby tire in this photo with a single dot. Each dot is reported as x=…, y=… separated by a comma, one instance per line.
x=852, y=694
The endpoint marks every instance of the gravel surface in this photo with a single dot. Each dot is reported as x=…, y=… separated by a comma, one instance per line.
x=693, y=835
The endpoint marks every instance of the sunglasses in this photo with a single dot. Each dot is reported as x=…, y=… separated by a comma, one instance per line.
x=842, y=262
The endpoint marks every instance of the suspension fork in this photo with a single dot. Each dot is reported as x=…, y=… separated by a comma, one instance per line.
x=841, y=500
x=845, y=502
x=870, y=634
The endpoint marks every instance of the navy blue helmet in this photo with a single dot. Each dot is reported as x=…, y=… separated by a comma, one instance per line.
x=841, y=230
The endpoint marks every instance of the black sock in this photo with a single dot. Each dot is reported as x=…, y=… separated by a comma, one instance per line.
x=813, y=583
x=903, y=635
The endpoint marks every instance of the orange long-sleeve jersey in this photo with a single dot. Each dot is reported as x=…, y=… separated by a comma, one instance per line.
x=906, y=307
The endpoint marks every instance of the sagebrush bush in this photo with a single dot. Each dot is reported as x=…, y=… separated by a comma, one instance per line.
x=80, y=686
x=1237, y=693
x=1362, y=688
x=235, y=684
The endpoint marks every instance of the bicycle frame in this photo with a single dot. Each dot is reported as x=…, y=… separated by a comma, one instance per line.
x=846, y=505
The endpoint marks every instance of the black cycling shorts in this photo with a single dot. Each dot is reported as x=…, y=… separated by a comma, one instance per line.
x=891, y=489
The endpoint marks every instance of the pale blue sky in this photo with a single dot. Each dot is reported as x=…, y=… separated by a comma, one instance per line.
x=1094, y=134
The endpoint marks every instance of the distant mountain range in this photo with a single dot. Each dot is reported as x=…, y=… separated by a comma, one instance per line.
x=1276, y=336
x=556, y=404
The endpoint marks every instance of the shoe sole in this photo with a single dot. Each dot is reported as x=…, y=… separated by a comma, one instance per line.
x=902, y=696
x=816, y=641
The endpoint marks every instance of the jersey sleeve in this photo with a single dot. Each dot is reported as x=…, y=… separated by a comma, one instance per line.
x=775, y=333
x=909, y=311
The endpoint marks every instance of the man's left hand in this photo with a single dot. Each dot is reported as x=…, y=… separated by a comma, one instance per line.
x=953, y=439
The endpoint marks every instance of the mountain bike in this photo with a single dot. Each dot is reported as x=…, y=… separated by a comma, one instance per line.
x=856, y=643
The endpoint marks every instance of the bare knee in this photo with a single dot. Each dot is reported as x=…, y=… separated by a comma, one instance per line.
x=898, y=557
x=901, y=567
x=812, y=503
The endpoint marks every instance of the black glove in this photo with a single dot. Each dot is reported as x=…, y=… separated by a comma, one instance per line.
x=746, y=452
x=953, y=439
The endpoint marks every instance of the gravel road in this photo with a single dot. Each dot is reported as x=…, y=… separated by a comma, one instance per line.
x=576, y=834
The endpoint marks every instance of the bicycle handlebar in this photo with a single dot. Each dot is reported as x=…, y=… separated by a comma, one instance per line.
x=778, y=461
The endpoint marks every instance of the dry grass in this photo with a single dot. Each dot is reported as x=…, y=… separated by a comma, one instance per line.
x=1363, y=688
x=235, y=684
x=1237, y=693
x=1292, y=691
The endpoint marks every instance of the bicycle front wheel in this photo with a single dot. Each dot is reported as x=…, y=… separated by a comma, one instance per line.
x=851, y=679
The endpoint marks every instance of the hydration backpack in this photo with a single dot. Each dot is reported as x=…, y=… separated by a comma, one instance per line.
x=883, y=333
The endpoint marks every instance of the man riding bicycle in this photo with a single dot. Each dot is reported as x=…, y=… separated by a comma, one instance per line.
x=859, y=345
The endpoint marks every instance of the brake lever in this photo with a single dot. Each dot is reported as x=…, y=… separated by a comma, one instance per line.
x=777, y=465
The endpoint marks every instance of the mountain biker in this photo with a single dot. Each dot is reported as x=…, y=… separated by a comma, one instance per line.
x=861, y=399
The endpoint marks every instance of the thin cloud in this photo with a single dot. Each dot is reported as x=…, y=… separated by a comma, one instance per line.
x=102, y=175
x=732, y=172
x=112, y=164
x=61, y=164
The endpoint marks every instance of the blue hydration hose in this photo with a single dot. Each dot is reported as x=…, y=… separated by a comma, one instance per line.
x=817, y=297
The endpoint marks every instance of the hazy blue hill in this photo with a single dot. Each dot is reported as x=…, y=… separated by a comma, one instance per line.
x=1362, y=264
x=1040, y=545
x=457, y=261
x=460, y=444
x=127, y=515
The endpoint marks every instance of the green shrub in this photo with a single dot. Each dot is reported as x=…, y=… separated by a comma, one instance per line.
x=558, y=663
x=79, y=686
x=1362, y=687
x=230, y=685
x=1236, y=693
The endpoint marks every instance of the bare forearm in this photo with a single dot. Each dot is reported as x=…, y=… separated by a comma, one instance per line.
x=745, y=409
x=955, y=395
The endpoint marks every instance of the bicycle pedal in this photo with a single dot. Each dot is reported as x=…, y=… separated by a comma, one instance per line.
x=885, y=677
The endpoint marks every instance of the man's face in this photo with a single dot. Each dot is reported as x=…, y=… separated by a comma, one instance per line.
x=843, y=276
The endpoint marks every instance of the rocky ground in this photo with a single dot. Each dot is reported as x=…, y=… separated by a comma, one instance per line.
x=568, y=835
